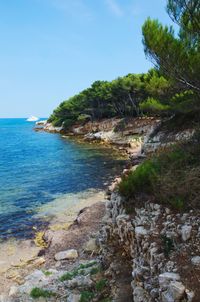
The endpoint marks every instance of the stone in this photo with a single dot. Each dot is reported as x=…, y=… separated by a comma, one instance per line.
x=196, y=260
x=166, y=297
x=186, y=232
x=74, y=298
x=82, y=282
x=177, y=290
x=69, y=254
x=140, y=231
x=140, y=295
x=190, y=295
x=91, y=246
x=165, y=278
x=13, y=291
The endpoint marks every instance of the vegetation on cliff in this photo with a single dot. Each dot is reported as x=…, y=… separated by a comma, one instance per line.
x=173, y=175
x=172, y=87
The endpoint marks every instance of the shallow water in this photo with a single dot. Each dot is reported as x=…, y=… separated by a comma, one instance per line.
x=37, y=168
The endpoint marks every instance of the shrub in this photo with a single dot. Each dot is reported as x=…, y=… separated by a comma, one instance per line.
x=141, y=179
x=171, y=177
x=86, y=296
x=168, y=245
x=70, y=275
x=38, y=292
x=154, y=106
x=101, y=284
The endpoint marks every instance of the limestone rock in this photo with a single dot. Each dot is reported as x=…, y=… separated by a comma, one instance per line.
x=80, y=282
x=140, y=231
x=177, y=290
x=139, y=295
x=196, y=260
x=73, y=298
x=186, y=232
x=190, y=295
x=166, y=297
x=13, y=291
x=69, y=254
x=165, y=278
x=91, y=246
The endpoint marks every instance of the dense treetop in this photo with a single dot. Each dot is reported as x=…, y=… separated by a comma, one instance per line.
x=172, y=87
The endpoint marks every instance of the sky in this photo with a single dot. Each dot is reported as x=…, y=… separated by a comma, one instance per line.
x=53, y=49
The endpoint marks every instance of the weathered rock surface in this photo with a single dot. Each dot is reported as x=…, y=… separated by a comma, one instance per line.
x=69, y=254
x=154, y=238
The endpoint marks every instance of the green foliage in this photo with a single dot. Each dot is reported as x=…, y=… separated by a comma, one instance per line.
x=84, y=118
x=47, y=273
x=67, y=276
x=81, y=270
x=154, y=106
x=86, y=296
x=176, y=57
x=168, y=245
x=38, y=292
x=87, y=265
x=121, y=97
x=141, y=179
x=101, y=284
x=95, y=270
x=171, y=177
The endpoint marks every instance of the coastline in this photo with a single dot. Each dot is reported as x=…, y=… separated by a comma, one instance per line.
x=96, y=233
x=21, y=257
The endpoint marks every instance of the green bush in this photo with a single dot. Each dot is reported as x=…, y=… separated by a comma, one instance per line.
x=141, y=179
x=171, y=177
x=154, y=106
x=86, y=296
x=101, y=284
x=39, y=292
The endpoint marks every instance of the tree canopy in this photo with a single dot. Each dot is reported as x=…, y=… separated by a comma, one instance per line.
x=176, y=56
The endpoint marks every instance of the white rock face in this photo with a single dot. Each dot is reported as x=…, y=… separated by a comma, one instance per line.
x=196, y=260
x=13, y=291
x=139, y=295
x=140, y=231
x=177, y=290
x=186, y=232
x=69, y=254
x=165, y=278
x=73, y=298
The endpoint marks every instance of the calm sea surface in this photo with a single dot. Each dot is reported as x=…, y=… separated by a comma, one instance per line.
x=36, y=168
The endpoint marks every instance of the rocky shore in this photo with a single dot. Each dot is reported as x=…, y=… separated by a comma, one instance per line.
x=108, y=254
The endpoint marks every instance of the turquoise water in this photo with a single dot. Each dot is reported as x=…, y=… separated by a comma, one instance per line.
x=38, y=167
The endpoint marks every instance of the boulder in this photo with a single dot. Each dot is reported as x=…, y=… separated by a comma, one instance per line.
x=69, y=254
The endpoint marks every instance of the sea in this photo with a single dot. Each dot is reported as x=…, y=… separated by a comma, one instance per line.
x=39, y=168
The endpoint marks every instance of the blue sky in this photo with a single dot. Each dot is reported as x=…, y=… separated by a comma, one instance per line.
x=52, y=49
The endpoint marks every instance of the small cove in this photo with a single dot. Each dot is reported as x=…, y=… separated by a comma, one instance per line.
x=37, y=169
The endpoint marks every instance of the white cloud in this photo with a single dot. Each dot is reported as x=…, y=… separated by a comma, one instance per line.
x=115, y=8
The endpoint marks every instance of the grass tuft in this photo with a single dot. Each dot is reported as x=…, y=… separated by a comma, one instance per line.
x=39, y=292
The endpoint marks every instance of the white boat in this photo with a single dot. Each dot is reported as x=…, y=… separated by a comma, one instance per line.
x=32, y=119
